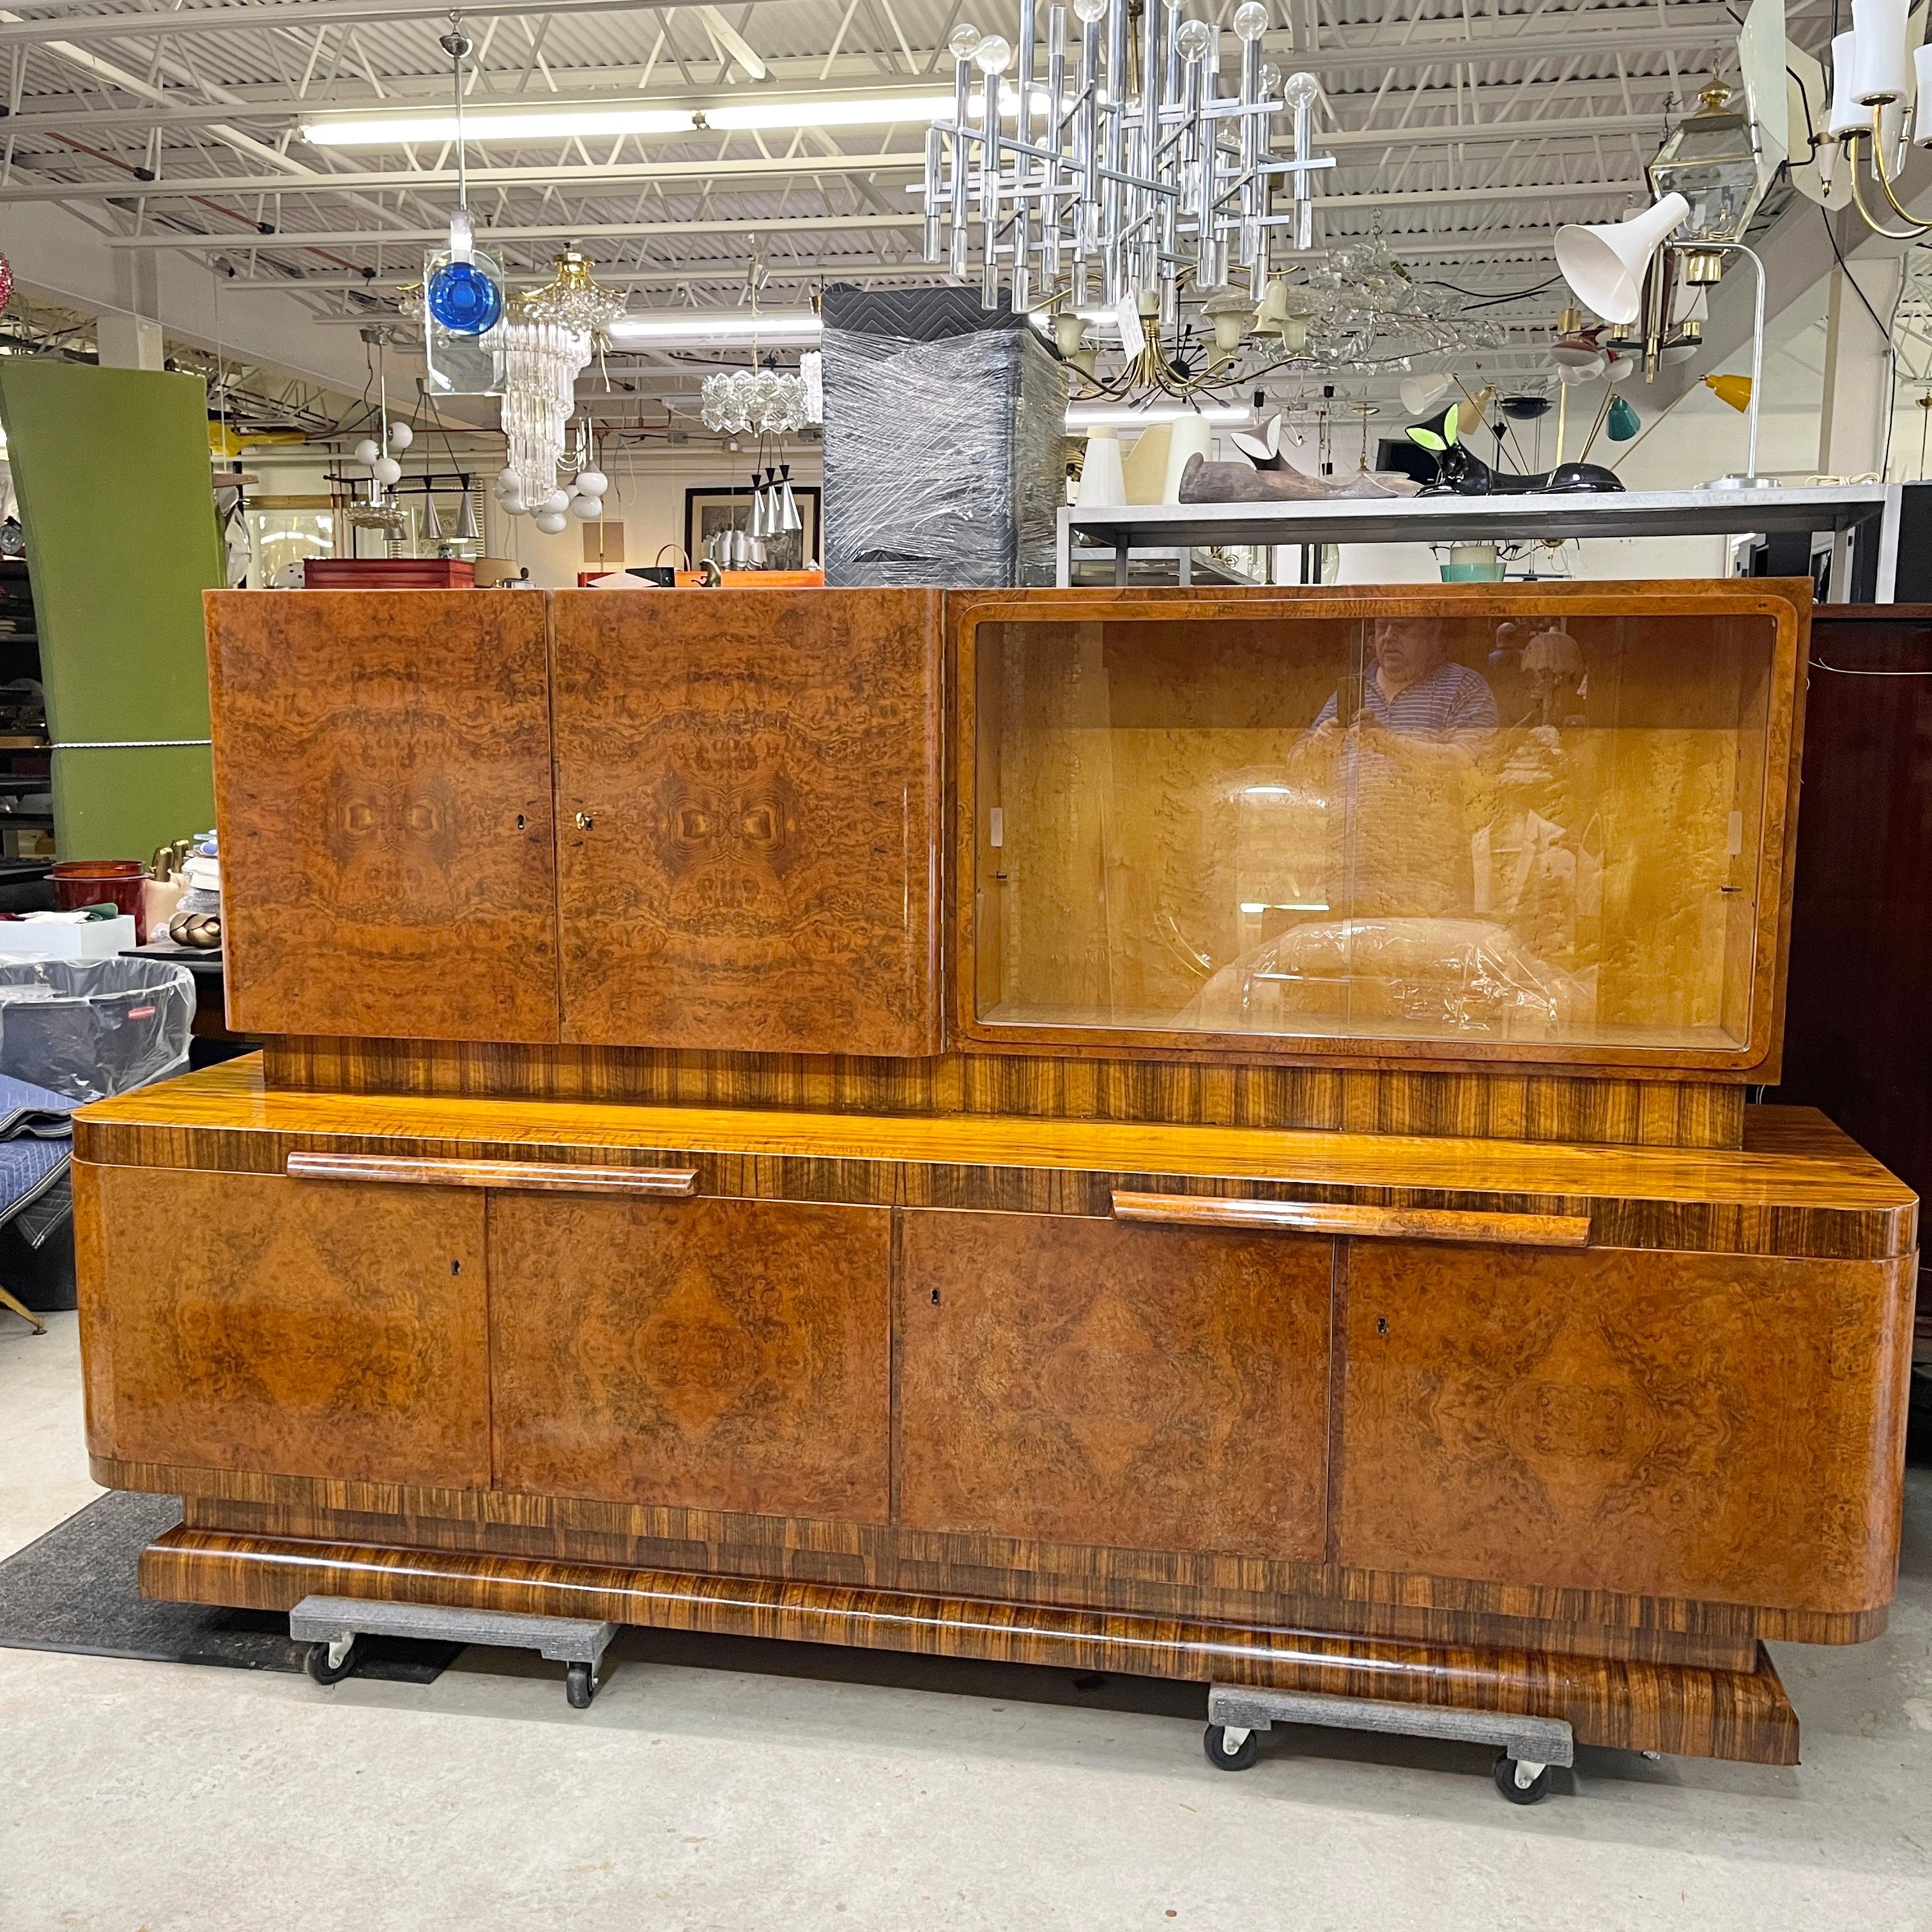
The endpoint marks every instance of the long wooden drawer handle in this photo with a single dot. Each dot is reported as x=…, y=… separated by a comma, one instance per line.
x=552, y=1177
x=1317, y=1217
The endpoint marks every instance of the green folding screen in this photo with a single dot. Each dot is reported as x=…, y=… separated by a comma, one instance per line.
x=111, y=468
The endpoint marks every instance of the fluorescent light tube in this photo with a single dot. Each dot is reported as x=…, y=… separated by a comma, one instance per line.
x=559, y=124
x=564, y=124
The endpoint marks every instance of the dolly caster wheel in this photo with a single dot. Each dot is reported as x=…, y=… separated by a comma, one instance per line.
x=331, y=1662
x=1521, y=1782
x=579, y=1686
x=1229, y=1749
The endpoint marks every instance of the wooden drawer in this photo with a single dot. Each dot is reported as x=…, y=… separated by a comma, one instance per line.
x=716, y=1354
x=245, y=1321
x=1085, y=1380
x=1711, y=1426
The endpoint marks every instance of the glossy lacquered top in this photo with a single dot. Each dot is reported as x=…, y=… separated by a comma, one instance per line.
x=1793, y=1159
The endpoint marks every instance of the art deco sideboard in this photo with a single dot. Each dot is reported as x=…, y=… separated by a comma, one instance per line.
x=1202, y=1133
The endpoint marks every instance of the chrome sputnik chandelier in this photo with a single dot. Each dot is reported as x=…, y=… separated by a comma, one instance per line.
x=1140, y=176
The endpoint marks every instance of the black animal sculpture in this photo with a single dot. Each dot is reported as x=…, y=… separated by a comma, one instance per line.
x=1458, y=472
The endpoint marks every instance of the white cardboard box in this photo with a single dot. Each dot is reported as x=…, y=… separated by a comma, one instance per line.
x=57, y=939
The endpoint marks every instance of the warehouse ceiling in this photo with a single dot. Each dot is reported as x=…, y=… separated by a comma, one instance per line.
x=1466, y=132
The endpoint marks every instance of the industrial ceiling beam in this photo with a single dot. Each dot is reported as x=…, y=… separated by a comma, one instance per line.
x=1479, y=104
x=1477, y=38
x=599, y=174
x=589, y=231
x=606, y=175
x=1528, y=243
x=246, y=241
x=730, y=41
x=243, y=142
x=302, y=16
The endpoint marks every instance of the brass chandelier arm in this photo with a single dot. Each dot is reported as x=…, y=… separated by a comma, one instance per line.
x=1885, y=182
x=1911, y=234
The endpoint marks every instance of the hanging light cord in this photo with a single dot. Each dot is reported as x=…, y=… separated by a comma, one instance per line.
x=456, y=44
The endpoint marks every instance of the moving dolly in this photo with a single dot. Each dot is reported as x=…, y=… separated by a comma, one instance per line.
x=1529, y=1746
x=331, y=1626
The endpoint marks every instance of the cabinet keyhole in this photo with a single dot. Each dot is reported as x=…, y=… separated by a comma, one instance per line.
x=519, y=821
x=456, y=1268
x=1382, y=1325
x=935, y=1298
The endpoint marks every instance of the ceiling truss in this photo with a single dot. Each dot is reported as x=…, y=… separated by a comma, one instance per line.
x=1465, y=131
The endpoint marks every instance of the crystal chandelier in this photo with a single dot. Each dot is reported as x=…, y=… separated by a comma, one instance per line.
x=1139, y=175
x=542, y=361
x=572, y=297
x=1369, y=312
x=544, y=350
x=760, y=402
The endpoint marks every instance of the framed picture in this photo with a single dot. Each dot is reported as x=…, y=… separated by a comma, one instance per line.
x=709, y=510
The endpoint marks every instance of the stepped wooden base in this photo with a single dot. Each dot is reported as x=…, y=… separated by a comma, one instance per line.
x=1680, y=1709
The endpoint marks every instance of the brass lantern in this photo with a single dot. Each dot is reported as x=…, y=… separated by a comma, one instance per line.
x=1711, y=160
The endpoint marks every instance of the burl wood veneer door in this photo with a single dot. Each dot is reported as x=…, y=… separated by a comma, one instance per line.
x=713, y=1354
x=382, y=784
x=1087, y=1382
x=1721, y=1427
x=747, y=800
x=290, y=1327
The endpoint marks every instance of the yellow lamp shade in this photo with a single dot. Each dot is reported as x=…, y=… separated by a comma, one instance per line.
x=1735, y=390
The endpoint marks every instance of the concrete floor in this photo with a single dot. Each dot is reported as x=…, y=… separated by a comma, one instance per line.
x=737, y=1785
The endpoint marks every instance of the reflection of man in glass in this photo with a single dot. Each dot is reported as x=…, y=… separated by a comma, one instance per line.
x=1395, y=771
x=1410, y=685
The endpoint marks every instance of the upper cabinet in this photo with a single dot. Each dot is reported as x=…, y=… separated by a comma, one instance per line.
x=749, y=790
x=1456, y=827
x=1400, y=828
x=382, y=782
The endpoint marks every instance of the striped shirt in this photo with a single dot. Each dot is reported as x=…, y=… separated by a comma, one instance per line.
x=1451, y=698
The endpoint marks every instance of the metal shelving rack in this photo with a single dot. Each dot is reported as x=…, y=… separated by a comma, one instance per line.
x=19, y=657
x=1140, y=529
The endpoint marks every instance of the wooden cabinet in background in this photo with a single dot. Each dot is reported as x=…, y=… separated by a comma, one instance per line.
x=748, y=794
x=383, y=783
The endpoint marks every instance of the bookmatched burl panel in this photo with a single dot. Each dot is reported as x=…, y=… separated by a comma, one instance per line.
x=382, y=785
x=299, y=1327
x=748, y=792
x=715, y=1354
x=1151, y=1387
x=1610, y=1419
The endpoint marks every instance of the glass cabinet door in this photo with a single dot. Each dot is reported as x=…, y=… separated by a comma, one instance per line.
x=1501, y=831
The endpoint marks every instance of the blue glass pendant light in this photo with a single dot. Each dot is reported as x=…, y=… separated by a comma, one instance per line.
x=462, y=296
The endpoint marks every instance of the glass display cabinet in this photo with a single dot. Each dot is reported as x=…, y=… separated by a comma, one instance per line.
x=1403, y=830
